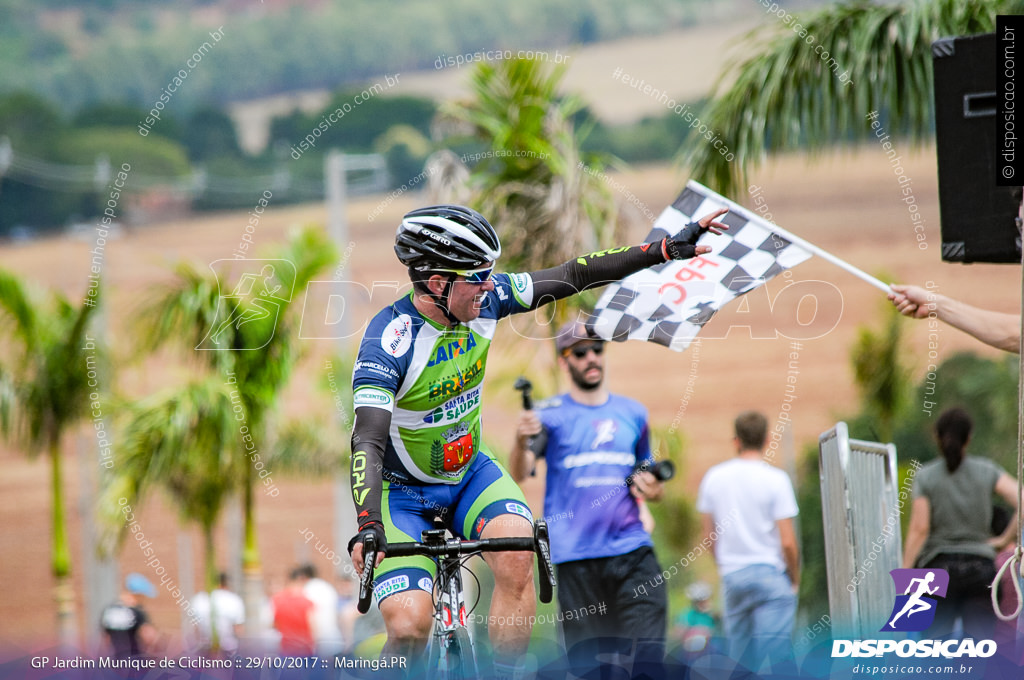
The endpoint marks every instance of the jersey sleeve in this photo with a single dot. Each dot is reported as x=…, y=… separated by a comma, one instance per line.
x=377, y=374
x=515, y=293
x=376, y=378
x=512, y=294
x=592, y=271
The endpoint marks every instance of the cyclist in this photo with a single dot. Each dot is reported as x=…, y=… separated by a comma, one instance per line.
x=416, y=443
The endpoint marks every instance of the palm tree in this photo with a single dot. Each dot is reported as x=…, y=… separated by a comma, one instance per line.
x=248, y=339
x=44, y=390
x=546, y=197
x=785, y=94
x=186, y=441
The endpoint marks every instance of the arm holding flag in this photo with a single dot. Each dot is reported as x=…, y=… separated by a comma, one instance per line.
x=997, y=329
x=607, y=266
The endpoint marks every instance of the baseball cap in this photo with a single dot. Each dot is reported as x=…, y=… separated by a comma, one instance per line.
x=139, y=584
x=570, y=333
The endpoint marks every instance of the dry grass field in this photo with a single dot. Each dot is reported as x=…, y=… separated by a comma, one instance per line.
x=847, y=203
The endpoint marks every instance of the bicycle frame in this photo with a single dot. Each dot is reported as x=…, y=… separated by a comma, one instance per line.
x=449, y=615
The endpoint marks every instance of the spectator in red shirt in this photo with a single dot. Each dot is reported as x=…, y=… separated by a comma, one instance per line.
x=292, y=617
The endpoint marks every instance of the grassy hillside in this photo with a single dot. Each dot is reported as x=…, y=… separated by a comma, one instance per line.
x=82, y=52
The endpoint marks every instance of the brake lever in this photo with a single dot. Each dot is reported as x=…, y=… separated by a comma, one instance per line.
x=540, y=535
x=366, y=578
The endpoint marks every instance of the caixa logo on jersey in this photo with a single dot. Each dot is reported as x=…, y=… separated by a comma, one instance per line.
x=917, y=601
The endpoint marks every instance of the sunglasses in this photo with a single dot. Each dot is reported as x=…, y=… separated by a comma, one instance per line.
x=580, y=351
x=481, y=275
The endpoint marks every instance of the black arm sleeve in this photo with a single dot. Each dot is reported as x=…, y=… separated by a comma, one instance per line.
x=369, y=435
x=592, y=271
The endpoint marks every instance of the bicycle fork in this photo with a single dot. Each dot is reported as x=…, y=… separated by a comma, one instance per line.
x=451, y=632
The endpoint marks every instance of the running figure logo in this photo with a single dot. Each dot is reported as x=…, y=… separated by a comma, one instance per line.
x=914, y=610
x=605, y=432
x=248, y=315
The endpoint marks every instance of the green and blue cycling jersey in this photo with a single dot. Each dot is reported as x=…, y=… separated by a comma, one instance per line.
x=416, y=382
x=429, y=377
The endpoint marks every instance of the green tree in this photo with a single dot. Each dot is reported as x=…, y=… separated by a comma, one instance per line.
x=44, y=390
x=677, y=522
x=784, y=95
x=155, y=156
x=813, y=597
x=544, y=195
x=124, y=116
x=210, y=133
x=233, y=337
x=31, y=123
x=185, y=441
x=986, y=388
x=882, y=375
x=34, y=127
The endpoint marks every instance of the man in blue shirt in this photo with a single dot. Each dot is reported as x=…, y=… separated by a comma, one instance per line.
x=602, y=553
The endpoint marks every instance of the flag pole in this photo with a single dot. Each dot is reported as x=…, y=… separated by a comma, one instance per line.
x=806, y=245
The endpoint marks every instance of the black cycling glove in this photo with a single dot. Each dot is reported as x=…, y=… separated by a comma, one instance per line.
x=683, y=245
x=375, y=529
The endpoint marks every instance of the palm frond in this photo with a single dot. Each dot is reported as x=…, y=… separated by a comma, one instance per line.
x=788, y=94
x=182, y=312
x=310, y=251
x=8, y=403
x=306, y=448
x=265, y=368
x=16, y=304
x=547, y=200
x=68, y=362
x=46, y=384
x=187, y=441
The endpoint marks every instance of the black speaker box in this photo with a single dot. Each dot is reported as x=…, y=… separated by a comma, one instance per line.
x=977, y=215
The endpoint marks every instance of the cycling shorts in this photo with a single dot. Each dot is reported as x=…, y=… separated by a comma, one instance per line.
x=485, y=492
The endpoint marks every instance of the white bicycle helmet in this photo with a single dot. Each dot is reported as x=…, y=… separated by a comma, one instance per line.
x=446, y=238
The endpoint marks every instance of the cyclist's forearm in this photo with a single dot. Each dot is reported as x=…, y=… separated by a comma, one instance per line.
x=592, y=271
x=368, y=438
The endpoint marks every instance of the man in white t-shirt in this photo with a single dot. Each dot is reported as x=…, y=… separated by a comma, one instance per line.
x=229, y=613
x=747, y=508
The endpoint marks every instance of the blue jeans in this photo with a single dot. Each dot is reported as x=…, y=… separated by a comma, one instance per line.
x=759, y=610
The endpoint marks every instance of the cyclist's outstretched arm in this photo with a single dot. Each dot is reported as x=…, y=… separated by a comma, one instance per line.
x=369, y=434
x=607, y=266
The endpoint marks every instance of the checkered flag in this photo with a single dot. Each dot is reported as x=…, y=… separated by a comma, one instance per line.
x=670, y=303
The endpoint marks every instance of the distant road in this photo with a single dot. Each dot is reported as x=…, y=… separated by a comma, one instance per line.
x=683, y=63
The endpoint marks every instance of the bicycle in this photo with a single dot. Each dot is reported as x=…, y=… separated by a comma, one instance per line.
x=450, y=652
